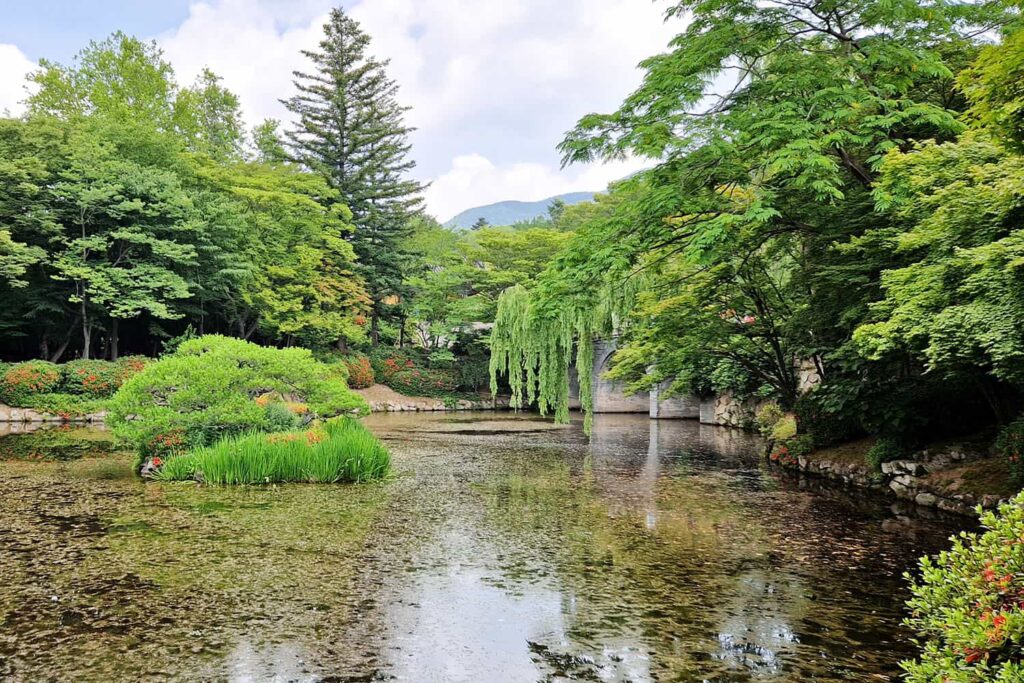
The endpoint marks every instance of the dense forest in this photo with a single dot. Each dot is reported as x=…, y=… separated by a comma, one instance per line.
x=834, y=186
x=851, y=202
x=134, y=209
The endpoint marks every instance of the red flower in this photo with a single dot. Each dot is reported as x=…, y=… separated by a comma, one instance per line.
x=157, y=462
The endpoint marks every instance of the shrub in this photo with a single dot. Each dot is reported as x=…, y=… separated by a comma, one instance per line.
x=1010, y=445
x=360, y=372
x=342, y=450
x=826, y=427
x=387, y=363
x=885, y=449
x=23, y=381
x=968, y=605
x=418, y=382
x=768, y=415
x=91, y=377
x=788, y=452
x=213, y=387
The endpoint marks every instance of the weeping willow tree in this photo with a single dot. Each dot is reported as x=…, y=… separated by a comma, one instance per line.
x=536, y=341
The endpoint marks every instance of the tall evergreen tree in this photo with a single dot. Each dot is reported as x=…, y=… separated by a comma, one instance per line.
x=350, y=128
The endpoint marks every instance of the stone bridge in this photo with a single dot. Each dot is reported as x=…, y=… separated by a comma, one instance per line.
x=610, y=397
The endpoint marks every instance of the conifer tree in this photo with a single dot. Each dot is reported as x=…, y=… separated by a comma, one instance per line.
x=350, y=128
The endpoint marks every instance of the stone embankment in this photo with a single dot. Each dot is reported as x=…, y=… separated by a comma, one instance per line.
x=383, y=399
x=9, y=414
x=952, y=478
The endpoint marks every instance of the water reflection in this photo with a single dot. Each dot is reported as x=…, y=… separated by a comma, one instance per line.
x=504, y=549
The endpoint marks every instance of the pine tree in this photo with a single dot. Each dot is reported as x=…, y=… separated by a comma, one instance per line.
x=350, y=128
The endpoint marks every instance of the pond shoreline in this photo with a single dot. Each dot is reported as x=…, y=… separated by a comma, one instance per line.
x=944, y=477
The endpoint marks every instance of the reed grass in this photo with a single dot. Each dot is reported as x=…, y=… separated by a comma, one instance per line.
x=341, y=450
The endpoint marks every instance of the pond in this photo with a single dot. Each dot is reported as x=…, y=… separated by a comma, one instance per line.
x=504, y=548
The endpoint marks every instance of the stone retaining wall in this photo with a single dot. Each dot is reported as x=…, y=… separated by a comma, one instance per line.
x=28, y=415
x=905, y=479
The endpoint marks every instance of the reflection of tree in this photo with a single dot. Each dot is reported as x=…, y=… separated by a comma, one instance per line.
x=667, y=563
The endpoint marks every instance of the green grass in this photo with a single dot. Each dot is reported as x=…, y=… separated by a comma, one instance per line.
x=341, y=450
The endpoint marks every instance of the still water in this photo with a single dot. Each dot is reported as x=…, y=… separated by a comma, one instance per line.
x=504, y=548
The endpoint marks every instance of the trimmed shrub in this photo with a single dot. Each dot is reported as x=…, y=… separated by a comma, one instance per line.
x=418, y=382
x=787, y=452
x=968, y=605
x=1010, y=445
x=767, y=417
x=387, y=363
x=885, y=449
x=214, y=386
x=360, y=372
x=340, y=451
x=23, y=381
x=96, y=378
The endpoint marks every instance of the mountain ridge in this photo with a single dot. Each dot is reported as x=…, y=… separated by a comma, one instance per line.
x=512, y=211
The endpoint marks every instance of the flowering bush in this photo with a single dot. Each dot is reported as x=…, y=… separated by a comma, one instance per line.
x=91, y=377
x=386, y=367
x=1010, y=444
x=968, y=605
x=789, y=451
x=22, y=381
x=418, y=382
x=360, y=372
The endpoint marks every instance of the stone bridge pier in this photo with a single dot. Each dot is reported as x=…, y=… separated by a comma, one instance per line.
x=610, y=397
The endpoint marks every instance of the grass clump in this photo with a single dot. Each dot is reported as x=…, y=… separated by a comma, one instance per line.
x=341, y=450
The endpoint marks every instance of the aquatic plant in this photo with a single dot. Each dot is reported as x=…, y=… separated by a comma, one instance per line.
x=968, y=605
x=213, y=387
x=341, y=450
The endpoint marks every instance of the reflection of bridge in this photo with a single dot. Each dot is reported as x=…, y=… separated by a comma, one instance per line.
x=610, y=397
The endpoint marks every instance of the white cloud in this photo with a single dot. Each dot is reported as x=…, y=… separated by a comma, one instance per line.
x=14, y=66
x=493, y=86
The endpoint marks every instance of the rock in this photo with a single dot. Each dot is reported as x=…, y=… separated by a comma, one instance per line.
x=990, y=501
x=926, y=499
x=901, y=490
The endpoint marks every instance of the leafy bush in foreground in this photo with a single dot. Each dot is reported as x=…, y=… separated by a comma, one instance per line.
x=340, y=451
x=968, y=606
x=213, y=387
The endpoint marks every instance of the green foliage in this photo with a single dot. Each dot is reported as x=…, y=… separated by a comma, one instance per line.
x=968, y=605
x=22, y=382
x=350, y=130
x=1010, y=445
x=768, y=415
x=788, y=451
x=535, y=351
x=214, y=386
x=825, y=427
x=424, y=382
x=92, y=377
x=340, y=451
x=885, y=449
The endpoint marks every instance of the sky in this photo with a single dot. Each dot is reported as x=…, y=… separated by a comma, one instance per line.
x=493, y=84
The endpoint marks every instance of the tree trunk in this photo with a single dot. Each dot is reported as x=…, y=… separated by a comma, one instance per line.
x=86, y=331
x=114, y=338
x=374, y=328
